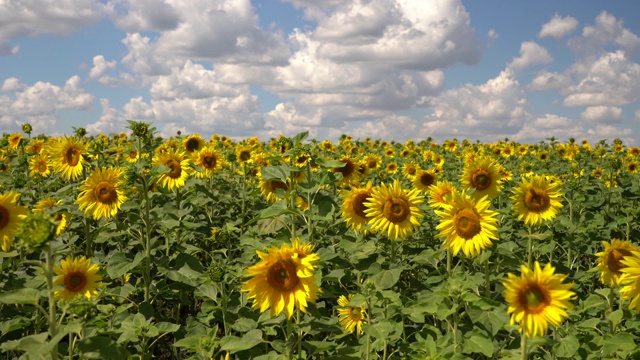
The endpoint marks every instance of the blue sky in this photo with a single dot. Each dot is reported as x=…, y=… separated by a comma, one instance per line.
x=391, y=69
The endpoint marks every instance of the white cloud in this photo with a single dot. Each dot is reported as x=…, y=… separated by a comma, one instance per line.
x=111, y=120
x=530, y=54
x=31, y=18
x=488, y=111
x=611, y=132
x=13, y=84
x=611, y=80
x=558, y=27
x=191, y=81
x=147, y=15
x=546, y=126
x=99, y=69
x=492, y=34
x=602, y=114
x=546, y=80
x=606, y=31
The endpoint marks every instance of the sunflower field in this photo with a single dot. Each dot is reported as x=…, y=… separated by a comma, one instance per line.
x=133, y=246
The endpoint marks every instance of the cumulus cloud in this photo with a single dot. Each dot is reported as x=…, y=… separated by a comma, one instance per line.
x=546, y=80
x=492, y=34
x=602, y=114
x=111, y=120
x=606, y=30
x=100, y=67
x=558, y=27
x=32, y=18
x=530, y=54
x=191, y=81
x=611, y=80
x=546, y=126
x=147, y=15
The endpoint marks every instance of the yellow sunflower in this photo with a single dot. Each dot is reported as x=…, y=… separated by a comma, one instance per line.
x=630, y=280
x=610, y=260
x=537, y=298
x=483, y=176
x=467, y=224
x=268, y=188
x=440, y=193
x=78, y=277
x=424, y=179
x=536, y=200
x=351, y=317
x=632, y=167
x=179, y=169
x=394, y=211
x=102, y=193
x=410, y=170
x=349, y=170
x=243, y=154
x=353, y=206
x=392, y=167
x=14, y=140
x=67, y=157
x=209, y=159
x=373, y=161
x=193, y=143
x=38, y=165
x=10, y=216
x=35, y=146
x=283, y=280
x=61, y=219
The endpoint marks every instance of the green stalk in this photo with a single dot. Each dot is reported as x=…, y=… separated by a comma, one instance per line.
x=487, y=280
x=523, y=346
x=530, y=249
x=53, y=325
x=147, y=241
x=449, y=256
x=242, y=200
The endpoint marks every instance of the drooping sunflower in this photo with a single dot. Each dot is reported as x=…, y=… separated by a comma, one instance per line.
x=349, y=170
x=393, y=210
x=630, y=280
x=467, y=224
x=440, y=193
x=61, y=219
x=424, y=179
x=10, y=216
x=483, y=176
x=67, y=157
x=301, y=158
x=268, y=188
x=102, y=193
x=14, y=140
x=537, y=298
x=179, y=169
x=78, y=277
x=209, y=159
x=282, y=280
x=353, y=206
x=536, y=200
x=39, y=165
x=351, y=317
x=193, y=143
x=610, y=260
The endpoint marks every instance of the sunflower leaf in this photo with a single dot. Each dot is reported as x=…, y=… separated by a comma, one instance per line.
x=386, y=278
x=20, y=296
x=478, y=342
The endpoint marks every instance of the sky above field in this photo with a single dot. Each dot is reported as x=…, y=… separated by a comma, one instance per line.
x=385, y=69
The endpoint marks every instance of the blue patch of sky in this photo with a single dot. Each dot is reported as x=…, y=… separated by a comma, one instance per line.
x=282, y=15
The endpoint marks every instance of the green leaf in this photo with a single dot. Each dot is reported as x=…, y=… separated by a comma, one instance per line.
x=478, y=342
x=619, y=342
x=234, y=344
x=26, y=342
x=244, y=325
x=615, y=316
x=102, y=347
x=276, y=172
x=588, y=324
x=119, y=264
x=167, y=327
x=20, y=296
x=567, y=346
x=300, y=137
x=386, y=278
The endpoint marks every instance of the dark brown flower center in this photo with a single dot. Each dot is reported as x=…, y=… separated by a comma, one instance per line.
x=75, y=281
x=411, y=170
x=302, y=159
x=396, y=210
x=72, y=156
x=176, y=169
x=358, y=206
x=537, y=200
x=277, y=184
x=192, y=145
x=614, y=262
x=209, y=161
x=467, y=223
x=105, y=192
x=372, y=163
x=245, y=155
x=426, y=179
x=481, y=179
x=282, y=276
x=4, y=217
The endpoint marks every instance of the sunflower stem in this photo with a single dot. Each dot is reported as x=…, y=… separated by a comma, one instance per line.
x=242, y=197
x=523, y=347
x=87, y=234
x=530, y=248
x=53, y=325
x=147, y=241
x=487, y=280
x=449, y=256
x=299, y=340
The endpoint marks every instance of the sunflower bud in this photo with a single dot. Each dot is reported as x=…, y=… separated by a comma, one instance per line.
x=26, y=128
x=80, y=132
x=36, y=230
x=216, y=272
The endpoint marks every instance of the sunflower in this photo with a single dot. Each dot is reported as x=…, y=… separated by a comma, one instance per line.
x=38, y=165
x=209, y=159
x=77, y=276
x=35, y=146
x=301, y=158
x=193, y=143
x=61, y=219
x=537, y=298
x=440, y=193
x=373, y=161
x=348, y=171
x=131, y=155
x=536, y=199
x=243, y=154
x=543, y=156
x=630, y=280
x=268, y=188
x=597, y=173
x=67, y=158
x=102, y=193
x=483, y=176
x=351, y=317
x=394, y=210
x=392, y=167
x=610, y=260
x=409, y=170
x=10, y=217
x=424, y=179
x=14, y=140
x=467, y=224
x=178, y=165
x=353, y=206
x=283, y=279
x=632, y=167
